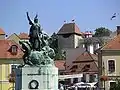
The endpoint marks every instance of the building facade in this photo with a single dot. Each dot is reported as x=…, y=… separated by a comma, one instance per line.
x=86, y=64
x=10, y=55
x=69, y=36
x=109, y=62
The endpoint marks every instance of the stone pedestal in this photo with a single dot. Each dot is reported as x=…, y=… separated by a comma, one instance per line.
x=44, y=77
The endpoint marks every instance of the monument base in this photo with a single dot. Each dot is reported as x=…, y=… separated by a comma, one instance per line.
x=44, y=77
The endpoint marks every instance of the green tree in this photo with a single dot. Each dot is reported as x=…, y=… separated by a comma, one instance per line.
x=102, y=31
x=115, y=86
x=53, y=43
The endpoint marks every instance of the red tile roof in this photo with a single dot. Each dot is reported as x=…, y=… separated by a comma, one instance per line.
x=82, y=67
x=85, y=57
x=60, y=64
x=23, y=36
x=113, y=44
x=4, y=50
x=79, y=65
x=69, y=28
x=2, y=31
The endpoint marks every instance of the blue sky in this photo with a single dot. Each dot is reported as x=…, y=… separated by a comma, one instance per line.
x=88, y=14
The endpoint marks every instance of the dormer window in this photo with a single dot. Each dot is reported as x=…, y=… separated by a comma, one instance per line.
x=86, y=67
x=14, y=49
x=74, y=67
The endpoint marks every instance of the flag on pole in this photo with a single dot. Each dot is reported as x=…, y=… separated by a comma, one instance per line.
x=73, y=20
x=64, y=21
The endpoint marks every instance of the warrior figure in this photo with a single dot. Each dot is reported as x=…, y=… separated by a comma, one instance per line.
x=35, y=33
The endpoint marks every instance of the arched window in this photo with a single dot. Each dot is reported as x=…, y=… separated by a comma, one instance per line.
x=111, y=66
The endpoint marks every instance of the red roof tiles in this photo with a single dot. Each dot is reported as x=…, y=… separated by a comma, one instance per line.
x=2, y=31
x=113, y=44
x=60, y=64
x=92, y=67
x=23, y=36
x=84, y=60
x=4, y=50
x=85, y=57
x=69, y=28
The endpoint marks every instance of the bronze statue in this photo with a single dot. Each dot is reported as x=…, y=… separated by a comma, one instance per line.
x=37, y=51
x=35, y=33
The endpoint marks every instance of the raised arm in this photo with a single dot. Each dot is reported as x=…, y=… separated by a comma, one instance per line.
x=30, y=22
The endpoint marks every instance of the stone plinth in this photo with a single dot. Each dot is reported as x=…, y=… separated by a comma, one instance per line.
x=37, y=78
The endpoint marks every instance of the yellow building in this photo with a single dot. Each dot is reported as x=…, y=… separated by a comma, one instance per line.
x=16, y=38
x=10, y=55
x=109, y=62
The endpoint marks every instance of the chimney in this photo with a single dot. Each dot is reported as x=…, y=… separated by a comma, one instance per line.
x=118, y=30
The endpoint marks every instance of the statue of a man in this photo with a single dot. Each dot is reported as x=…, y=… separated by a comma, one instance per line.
x=35, y=33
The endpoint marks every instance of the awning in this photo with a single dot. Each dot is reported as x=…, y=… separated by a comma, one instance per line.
x=70, y=76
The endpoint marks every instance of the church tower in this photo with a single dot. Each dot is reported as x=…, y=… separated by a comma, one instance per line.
x=69, y=36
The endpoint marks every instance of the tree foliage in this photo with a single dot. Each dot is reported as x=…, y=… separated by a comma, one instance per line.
x=53, y=43
x=102, y=31
x=116, y=86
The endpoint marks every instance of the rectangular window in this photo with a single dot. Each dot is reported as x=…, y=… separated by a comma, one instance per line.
x=112, y=85
x=13, y=67
x=83, y=79
x=14, y=49
x=75, y=80
x=111, y=66
x=92, y=78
